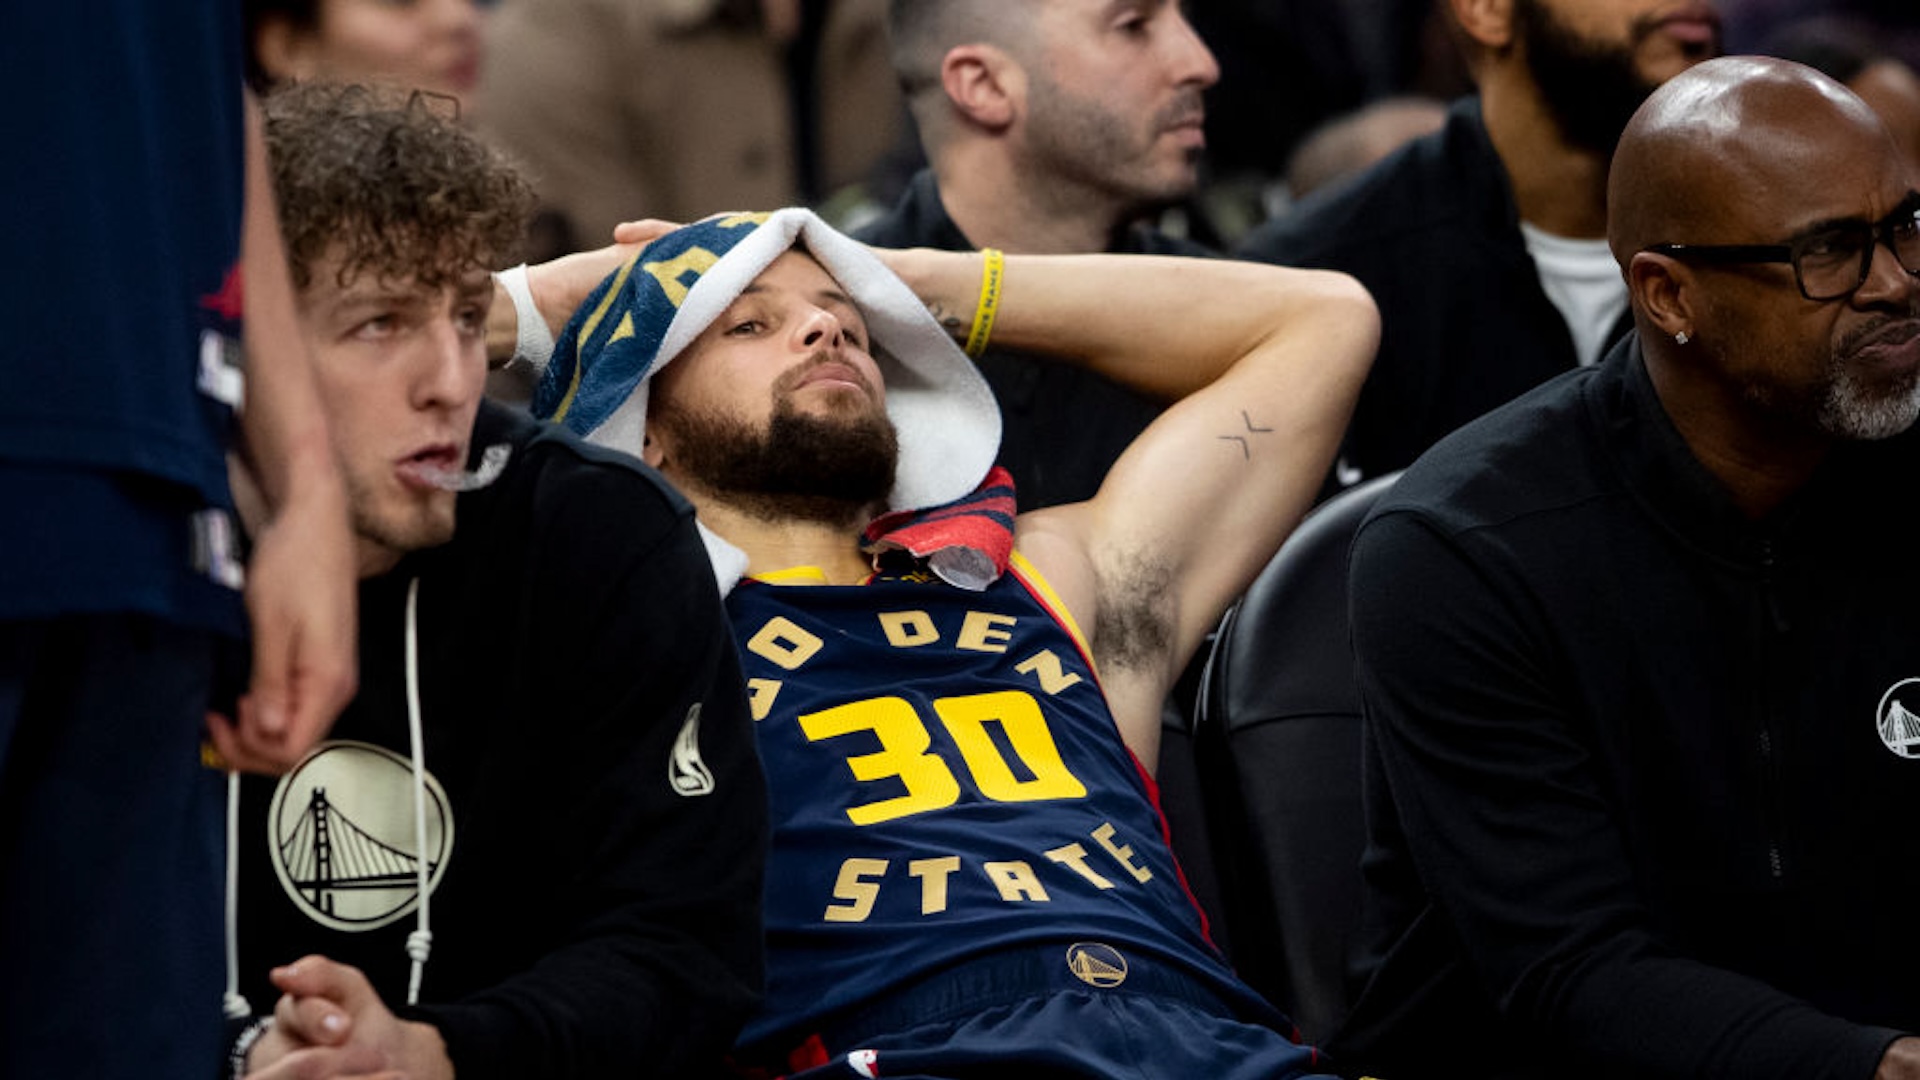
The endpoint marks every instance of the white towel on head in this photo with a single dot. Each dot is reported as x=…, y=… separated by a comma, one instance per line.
x=647, y=313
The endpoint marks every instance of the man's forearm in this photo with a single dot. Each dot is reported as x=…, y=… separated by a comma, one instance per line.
x=286, y=446
x=1163, y=325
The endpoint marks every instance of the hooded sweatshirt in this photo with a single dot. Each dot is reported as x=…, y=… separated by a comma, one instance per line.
x=594, y=815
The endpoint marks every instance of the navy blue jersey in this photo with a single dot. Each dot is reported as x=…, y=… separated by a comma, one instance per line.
x=947, y=781
x=122, y=201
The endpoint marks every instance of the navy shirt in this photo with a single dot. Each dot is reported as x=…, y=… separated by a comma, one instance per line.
x=123, y=208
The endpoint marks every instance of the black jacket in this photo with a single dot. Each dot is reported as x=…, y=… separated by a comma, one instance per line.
x=1433, y=233
x=1062, y=426
x=1631, y=810
x=598, y=915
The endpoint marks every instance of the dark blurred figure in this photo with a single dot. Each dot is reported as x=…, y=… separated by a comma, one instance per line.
x=675, y=109
x=1849, y=51
x=1484, y=243
x=431, y=45
x=1354, y=142
x=1752, y=24
x=1289, y=68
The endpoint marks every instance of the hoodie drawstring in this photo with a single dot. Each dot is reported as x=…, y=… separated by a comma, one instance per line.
x=232, y=1003
x=420, y=941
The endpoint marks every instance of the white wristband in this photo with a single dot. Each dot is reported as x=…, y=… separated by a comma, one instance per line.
x=533, y=340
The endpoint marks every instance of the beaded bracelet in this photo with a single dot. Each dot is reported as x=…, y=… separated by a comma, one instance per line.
x=242, y=1046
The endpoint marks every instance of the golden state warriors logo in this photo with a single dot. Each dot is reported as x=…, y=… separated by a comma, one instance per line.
x=1096, y=964
x=342, y=837
x=1899, y=718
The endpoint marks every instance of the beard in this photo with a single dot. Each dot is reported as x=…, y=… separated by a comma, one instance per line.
x=1087, y=141
x=398, y=527
x=1844, y=402
x=1591, y=87
x=816, y=468
x=1853, y=408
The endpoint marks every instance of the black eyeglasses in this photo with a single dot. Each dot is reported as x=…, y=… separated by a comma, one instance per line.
x=1828, y=263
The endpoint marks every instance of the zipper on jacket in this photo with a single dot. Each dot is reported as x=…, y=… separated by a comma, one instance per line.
x=1776, y=615
x=1776, y=628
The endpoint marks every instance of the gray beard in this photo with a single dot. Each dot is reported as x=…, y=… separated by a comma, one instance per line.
x=1851, y=410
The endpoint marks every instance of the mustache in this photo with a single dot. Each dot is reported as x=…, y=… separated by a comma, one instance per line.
x=790, y=379
x=1885, y=330
x=1187, y=108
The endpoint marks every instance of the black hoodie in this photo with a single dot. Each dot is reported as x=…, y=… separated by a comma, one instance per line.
x=596, y=907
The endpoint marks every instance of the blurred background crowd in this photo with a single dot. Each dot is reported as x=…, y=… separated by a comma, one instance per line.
x=676, y=108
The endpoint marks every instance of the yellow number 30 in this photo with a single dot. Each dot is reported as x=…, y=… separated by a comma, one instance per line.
x=906, y=751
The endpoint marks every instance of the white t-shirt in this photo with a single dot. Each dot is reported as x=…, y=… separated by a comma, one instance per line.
x=1584, y=282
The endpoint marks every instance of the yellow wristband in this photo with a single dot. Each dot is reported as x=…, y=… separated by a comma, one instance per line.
x=989, y=305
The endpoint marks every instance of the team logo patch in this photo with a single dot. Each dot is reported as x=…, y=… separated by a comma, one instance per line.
x=686, y=770
x=341, y=836
x=1899, y=718
x=865, y=1062
x=1096, y=964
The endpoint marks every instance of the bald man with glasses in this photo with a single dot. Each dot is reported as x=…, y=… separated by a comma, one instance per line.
x=1830, y=260
x=1640, y=651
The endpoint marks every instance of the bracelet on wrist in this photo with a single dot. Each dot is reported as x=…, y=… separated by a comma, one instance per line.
x=992, y=270
x=242, y=1046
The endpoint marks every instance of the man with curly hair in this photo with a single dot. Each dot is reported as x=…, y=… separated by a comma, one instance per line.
x=533, y=846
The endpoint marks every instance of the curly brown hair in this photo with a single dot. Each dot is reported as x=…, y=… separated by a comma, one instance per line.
x=392, y=183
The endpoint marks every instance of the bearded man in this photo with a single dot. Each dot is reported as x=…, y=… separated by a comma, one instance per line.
x=1637, y=651
x=959, y=707
x=1485, y=243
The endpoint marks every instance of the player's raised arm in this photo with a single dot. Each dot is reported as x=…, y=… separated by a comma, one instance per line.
x=1266, y=362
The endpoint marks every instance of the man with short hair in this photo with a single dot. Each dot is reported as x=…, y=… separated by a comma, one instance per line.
x=1485, y=242
x=1637, y=651
x=960, y=707
x=1050, y=127
x=534, y=844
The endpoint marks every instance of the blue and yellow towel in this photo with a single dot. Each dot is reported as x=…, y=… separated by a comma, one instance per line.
x=655, y=305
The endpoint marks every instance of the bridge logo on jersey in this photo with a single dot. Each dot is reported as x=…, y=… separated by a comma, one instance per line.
x=1096, y=964
x=1899, y=718
x=342, y=838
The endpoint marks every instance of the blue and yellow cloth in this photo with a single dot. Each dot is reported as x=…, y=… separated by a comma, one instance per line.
x=648, y=312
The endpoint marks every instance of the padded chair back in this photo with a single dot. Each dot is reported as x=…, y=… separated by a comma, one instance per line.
x=1278, y=747
x=1183, y=804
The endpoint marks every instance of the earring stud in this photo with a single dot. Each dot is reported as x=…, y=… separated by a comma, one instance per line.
x=1681, y=338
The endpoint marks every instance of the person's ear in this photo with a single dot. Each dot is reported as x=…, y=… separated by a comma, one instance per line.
x=984, y=84
x=1661, y=287
x=285, y=51
x=1489, y=23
